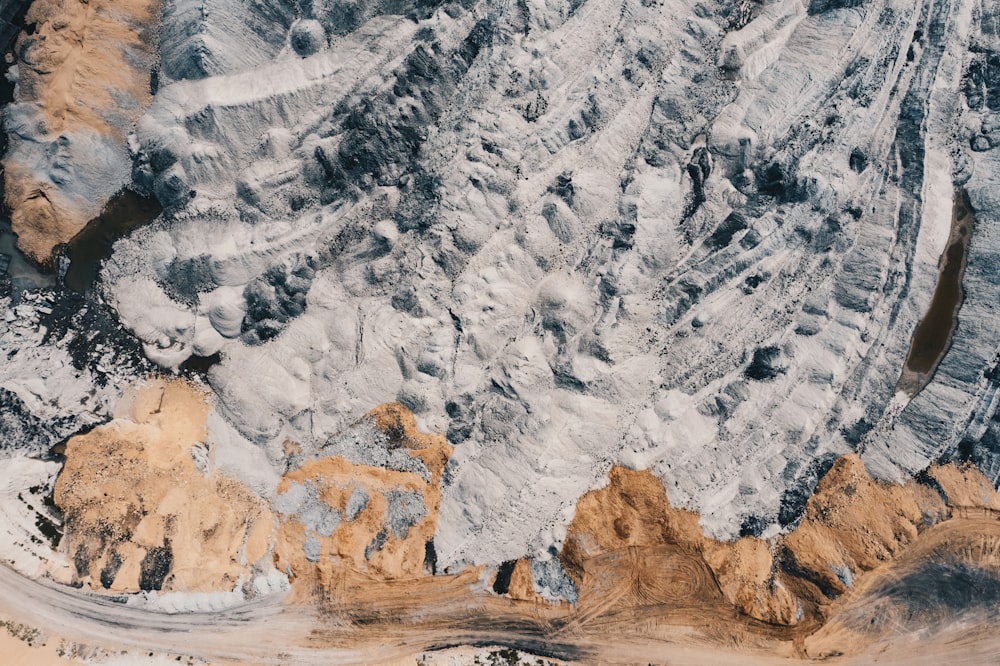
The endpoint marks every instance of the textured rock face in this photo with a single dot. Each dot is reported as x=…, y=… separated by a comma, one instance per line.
x=568, y=241
x=692, y=239
x=82, y=80
x=699, y=297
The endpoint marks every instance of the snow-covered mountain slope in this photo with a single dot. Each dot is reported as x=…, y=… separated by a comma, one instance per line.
x=690, y=237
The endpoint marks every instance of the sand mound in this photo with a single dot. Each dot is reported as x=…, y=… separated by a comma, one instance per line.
x=339, y=517
x=852, y=525
x=139, y=515
x=632, y=513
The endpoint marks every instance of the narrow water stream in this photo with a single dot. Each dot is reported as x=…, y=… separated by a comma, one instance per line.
x=933, y=334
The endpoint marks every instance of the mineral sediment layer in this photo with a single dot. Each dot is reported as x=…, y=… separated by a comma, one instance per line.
x=352, y=524
x=338, y=517
x=852, y=525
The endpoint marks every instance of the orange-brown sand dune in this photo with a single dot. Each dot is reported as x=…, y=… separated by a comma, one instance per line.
x=852, y=524
x=140, y=515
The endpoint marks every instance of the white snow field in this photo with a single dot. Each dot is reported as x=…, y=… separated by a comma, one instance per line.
x=694, y=237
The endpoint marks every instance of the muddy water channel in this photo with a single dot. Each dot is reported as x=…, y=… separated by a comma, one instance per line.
x=933, y=334
x=89, y=248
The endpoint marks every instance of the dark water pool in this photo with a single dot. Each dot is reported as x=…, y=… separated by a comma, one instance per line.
x=125, y=211
x=932, y=336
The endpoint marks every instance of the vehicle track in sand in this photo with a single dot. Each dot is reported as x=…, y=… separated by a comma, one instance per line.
x=658, y=605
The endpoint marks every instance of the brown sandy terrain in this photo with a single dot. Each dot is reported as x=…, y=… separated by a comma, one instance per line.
x=364, y=546
x=653, y=587
x=852, y=525
x=22, y=645
x=140, y=515
x=869, y=563
x=521, y=586
x=950, y=575
x=87, y=67
x=632, y=514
